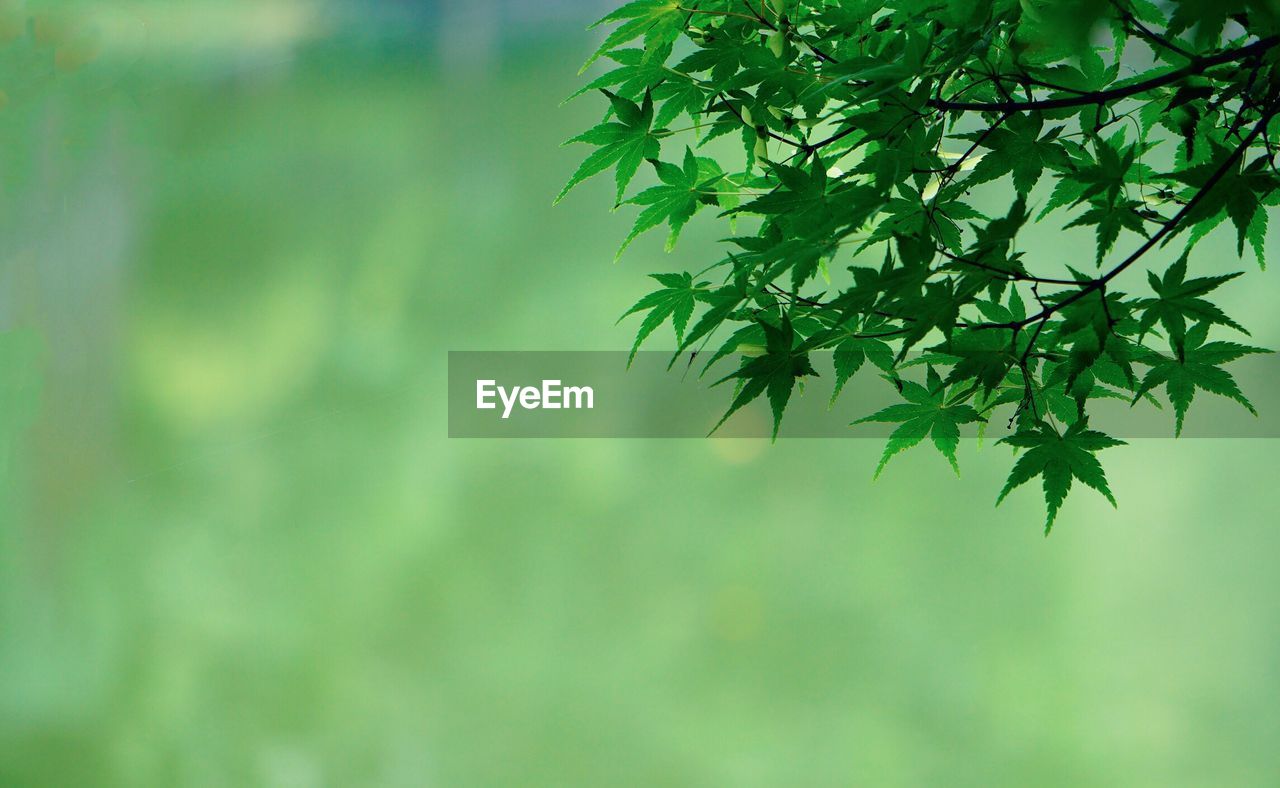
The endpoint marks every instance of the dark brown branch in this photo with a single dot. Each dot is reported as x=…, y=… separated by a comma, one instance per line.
x=1008, y=276
x=1197, y=66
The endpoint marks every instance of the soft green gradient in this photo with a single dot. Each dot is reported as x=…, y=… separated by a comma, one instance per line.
x=236, y=548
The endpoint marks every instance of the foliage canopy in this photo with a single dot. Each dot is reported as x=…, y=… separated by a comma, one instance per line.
x=871, y=131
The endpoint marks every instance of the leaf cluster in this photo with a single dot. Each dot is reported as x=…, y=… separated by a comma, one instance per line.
x=880, y=165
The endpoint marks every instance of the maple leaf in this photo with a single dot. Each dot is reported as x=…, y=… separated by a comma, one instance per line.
x=852, y=353
x=929, y=412
x=623, y=144
x=775, y=373
x=1017, y=147
x=1178, y=301
x=675, y=300
x=682, y=192
x=1059, y=458
x=1196, y=364
x=658, y=21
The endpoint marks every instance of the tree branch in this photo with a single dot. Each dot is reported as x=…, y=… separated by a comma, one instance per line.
x=1197, y=66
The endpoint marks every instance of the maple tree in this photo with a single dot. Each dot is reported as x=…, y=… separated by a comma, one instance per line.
x=870, y=132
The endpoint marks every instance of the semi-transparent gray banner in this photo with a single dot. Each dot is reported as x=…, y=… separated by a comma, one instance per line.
x=594, y=395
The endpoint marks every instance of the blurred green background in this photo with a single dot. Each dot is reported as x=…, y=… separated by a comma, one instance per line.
x=237, y=549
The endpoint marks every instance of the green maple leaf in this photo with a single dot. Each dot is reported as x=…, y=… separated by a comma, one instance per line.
x=722, y=54
x=675, y=300
x=624, y=143
x=1017, y=147
x=678, y=95
x=682, y=192
x=1105, y=177
x=642, y=71
x=1059, y=459
x=1207, y=17
x=773, y=373
x=928, y=413
x=1196, y=365
x=1110, y=220
x=798, y=191
x=658, y=21
x=1100, y=184
x=1178, y=301
x=1238, y=194
x=852, y=353
x=936, y=308
x=638, y=70
x=993, y=245
x=981, y=356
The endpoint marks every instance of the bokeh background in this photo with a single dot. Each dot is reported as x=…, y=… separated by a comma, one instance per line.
x=237, y=549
